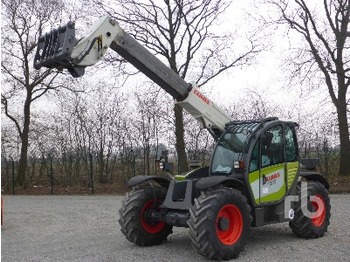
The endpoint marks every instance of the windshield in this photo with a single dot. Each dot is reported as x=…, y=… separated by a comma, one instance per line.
x=231, y=147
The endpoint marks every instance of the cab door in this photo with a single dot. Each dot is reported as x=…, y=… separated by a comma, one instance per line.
x=292, y=155
x=272, y=175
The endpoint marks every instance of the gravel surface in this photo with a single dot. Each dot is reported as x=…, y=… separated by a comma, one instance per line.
x=85, y=228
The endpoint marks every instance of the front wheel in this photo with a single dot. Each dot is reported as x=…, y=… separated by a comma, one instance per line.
x=219, y=224
x=134, y=217
x=312, y=216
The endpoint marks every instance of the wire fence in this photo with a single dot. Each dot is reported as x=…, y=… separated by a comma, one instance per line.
x=329, y=157
x=55, y=174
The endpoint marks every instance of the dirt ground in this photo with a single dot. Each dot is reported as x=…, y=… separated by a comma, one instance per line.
x=84, y=228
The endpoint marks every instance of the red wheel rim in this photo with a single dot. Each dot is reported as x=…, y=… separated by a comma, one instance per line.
x=234, y=225
x=152, y=228
x=320, y=211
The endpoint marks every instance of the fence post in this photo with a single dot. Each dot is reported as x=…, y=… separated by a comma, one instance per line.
x=91, y=175
x=133, y=163
x=13, y=176
x=51, y=173
x=326, y=157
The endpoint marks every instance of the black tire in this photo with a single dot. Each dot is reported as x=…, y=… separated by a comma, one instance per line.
x=211, y=229
x=132, y=217
x=304, y=226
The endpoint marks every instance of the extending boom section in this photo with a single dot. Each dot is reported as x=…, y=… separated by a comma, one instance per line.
x=205, y=111
x=60, y=49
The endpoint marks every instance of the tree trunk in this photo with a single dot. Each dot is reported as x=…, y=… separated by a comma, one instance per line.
x=180, y=142
x=23, y=161
x=344, y=168
x=22, y=165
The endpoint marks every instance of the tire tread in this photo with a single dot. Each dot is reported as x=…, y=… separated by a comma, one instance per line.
x=203, y=212
x=129, y=217
x=302, y=225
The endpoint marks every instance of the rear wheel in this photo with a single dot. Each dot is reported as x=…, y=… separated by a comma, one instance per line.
x=135, y=221
x=311, y=218
x=219, y=224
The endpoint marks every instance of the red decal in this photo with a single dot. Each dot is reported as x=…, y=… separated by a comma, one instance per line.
x=201, y=96
x=270, y=178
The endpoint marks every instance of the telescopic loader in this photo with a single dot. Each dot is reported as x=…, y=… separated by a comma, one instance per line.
x=255, y=176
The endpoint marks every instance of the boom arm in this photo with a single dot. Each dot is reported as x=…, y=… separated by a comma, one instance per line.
x=60, y=49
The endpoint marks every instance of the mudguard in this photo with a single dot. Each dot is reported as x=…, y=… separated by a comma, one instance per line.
x=312, y=176
x=134, y=181
x=213, y=181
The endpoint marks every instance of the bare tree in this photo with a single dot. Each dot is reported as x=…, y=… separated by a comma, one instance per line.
x=181, y=32
x=198, y=143
x=106, y=122
x=23, y=22
x=147, y=125
x=327, y=54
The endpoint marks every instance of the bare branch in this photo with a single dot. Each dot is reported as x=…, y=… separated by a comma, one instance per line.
x=4, y=102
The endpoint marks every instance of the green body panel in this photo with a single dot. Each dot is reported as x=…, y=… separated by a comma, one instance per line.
x=268, y=184
x=199, y=172
x=180, y=177
x=253, y=178
x=275, y=189
x=292, y=172
x=275, y=196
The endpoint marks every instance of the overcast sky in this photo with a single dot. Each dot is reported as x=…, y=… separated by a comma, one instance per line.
x=266, y=76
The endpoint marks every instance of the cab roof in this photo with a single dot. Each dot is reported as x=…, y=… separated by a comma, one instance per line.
x=260, y=122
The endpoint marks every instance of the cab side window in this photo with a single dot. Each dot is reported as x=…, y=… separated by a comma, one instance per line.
x=291, y=145
x=254, y=162
x=272, y=146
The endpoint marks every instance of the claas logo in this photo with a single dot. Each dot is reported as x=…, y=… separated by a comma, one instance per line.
x=201, y=96
x=270, y=178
